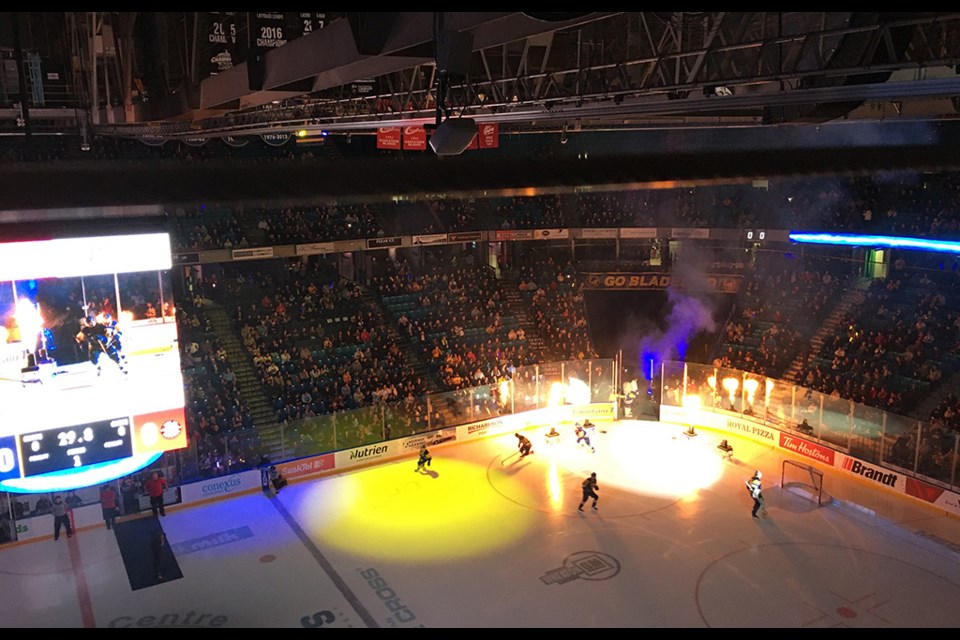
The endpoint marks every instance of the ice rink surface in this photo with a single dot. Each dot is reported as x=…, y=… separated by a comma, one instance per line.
x=483, y=539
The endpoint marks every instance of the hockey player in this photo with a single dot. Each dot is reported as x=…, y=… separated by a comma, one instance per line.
x=425, y=457
x=590, y=488
x=583, y=437
x=101, y=338
x=524, y=445
x=755, y=488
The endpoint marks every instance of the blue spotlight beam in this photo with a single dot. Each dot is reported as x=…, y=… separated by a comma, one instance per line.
x=859, y=240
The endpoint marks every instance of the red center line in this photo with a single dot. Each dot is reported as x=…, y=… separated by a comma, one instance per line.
x=80, y=579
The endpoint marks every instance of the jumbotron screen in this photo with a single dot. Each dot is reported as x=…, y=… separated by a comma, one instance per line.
x=90, y=381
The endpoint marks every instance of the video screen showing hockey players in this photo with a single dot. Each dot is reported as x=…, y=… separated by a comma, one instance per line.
x=89, y=358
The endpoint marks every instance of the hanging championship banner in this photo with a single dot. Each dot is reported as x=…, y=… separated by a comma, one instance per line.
x=414, y=139
x=388, y=138
x=488, y=136
x=234, y=141
x=269, y=30
x=152, y=141
x=301, y=23
x=219, y=51
x=275, y=139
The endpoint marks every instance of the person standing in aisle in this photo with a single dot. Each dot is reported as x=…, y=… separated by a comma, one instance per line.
x=590, y=488
x=108, y=504
x=155, y=487
x=61, y=518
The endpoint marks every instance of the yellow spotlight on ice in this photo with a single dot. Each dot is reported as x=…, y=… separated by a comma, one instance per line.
x=389, y=513
x=731, y=385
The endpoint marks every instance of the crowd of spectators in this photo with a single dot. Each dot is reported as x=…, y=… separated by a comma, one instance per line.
x=221, y=425
x=556, y=306
x=782, y=301
x=319, y=345
x=897, y=345
x=459, y=319
x=902, y=203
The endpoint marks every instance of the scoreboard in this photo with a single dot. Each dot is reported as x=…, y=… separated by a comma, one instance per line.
x=75, y=409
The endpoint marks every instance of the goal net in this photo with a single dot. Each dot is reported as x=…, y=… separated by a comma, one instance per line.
x=802, y=478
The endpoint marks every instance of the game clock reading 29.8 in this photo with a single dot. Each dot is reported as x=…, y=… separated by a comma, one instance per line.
x=75, y=446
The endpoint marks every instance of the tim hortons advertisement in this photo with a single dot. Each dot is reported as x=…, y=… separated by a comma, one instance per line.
x=807, y=449
x=551, y=234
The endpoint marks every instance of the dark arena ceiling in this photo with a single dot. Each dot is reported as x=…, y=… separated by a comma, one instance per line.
x=581, y=99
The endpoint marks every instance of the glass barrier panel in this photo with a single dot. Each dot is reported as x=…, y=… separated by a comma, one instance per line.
x=359, y=427
x=448, y=409
x=526, y=381
x=837, y=425
x=311, y=436
x=752, y=399
x=867, y=430
x=729, y=387
x=806, y=408
x=778, y=403
x=405, y=417
x=900, y=442
x=671, y=386
x=551, y=391
x=577, y=388
x=603, y=380
x=936, y=453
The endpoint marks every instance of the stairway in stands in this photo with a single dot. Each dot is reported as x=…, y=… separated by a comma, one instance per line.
x=248, y=383
x=411, y=352
x=831, y=326
x=518, y=308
